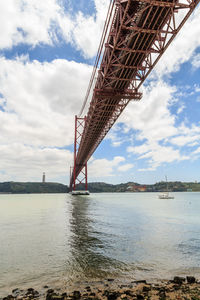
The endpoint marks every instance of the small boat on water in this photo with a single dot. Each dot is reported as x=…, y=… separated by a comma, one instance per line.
x=165, y=195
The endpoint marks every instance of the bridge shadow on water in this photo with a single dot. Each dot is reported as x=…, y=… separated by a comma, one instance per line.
x=87, y=259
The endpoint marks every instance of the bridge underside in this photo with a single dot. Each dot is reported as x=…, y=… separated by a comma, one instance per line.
x=140, y=32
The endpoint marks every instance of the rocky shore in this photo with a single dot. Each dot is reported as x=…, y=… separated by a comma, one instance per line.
x=179, y=288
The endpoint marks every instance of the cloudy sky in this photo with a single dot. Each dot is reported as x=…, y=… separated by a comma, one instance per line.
x=47, y=50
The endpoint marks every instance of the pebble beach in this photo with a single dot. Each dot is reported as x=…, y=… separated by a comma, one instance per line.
x=179, y=288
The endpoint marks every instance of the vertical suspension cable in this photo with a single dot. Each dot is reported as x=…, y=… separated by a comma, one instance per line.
x=105, y=28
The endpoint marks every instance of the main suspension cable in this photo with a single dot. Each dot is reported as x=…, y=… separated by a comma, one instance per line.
x=105, y=29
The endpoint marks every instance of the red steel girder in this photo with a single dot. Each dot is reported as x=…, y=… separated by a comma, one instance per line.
x=140, y=32
x=117, y=94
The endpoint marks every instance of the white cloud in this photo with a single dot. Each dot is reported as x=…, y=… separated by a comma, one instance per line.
x=40, y=100
x=125, y=167
x=147, y=169
x=182, y=48
x=180, y=109
x=151, y=116
x=25, y=163
x=138, y=149
x=185, y=139
x=31, y=22
x=156, y=154
x=117, y=140
x=197, y=151
x=155, y=124
x=159, y=154
x=34, y=23
x=104, y=167
x=196, y=88
x=196, y=61
x=88, y=29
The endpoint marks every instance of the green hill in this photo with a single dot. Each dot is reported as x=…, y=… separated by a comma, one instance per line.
x=173, y=186
x=97, y=187
x=32, y=187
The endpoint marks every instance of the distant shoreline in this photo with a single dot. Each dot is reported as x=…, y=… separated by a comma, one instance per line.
x=12, y=187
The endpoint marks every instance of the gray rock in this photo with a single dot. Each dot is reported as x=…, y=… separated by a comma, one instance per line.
x=57, y=297
x=140, y=297
x=162, y=295
x=9, y=297
x=110, y=279
x=50, y=295
x=112, y=295
x=146, y=288
x=76, y=295
x=16, y=290
x=128, y=292
x=30, y=290
x=178, y=280
x=191, y=279
x=139, y=281
x=105, y=293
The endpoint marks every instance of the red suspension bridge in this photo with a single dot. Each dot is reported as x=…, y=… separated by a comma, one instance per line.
x=135, y=35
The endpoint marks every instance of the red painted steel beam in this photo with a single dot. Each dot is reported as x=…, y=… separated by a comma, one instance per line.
x=82, y=176
x=140, y=32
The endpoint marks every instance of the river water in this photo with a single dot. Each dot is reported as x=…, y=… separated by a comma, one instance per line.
x=59, y=238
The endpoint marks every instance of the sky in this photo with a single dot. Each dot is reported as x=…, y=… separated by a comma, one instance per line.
x=47, y=51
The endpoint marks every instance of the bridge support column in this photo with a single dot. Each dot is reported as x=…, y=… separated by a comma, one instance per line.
x=82, y=176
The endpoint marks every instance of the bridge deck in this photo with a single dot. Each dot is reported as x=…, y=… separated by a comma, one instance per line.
x=140, y=32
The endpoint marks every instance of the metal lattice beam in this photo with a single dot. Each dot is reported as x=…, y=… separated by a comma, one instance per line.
x=140, y=32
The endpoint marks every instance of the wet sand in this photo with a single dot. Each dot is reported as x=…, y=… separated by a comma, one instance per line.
x=179, y=288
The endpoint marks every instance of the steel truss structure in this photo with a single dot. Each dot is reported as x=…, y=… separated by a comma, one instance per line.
x=140, y=32
x=82, y=176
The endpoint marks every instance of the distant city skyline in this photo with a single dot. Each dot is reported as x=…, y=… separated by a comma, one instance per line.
x=47, y=51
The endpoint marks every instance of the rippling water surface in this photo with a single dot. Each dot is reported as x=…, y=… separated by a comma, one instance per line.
x=57, y=238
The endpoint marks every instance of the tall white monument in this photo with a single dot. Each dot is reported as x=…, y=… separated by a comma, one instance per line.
x=43, y=177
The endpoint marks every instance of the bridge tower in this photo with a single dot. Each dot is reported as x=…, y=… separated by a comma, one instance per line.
x=82, y=177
